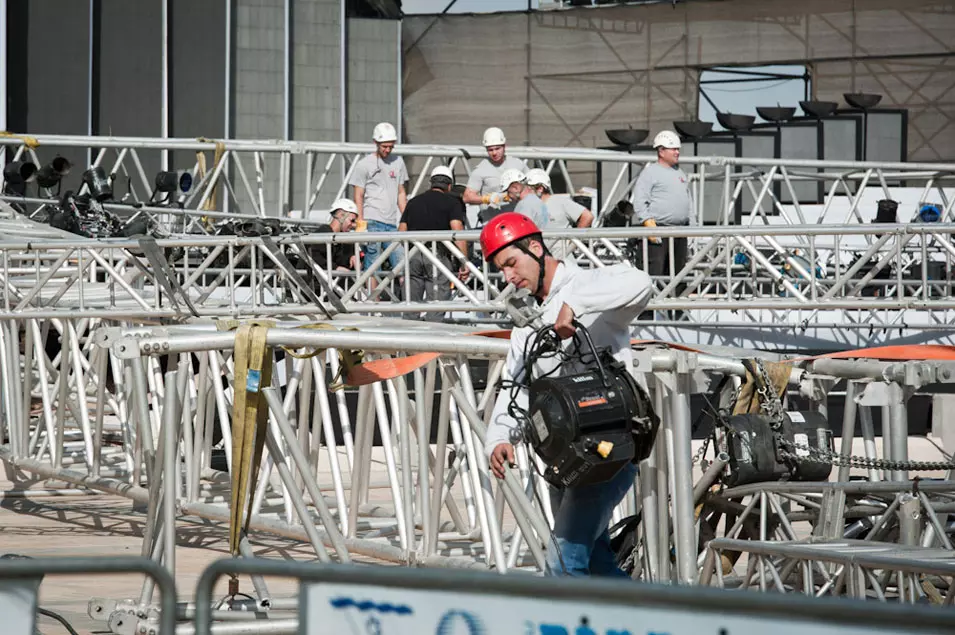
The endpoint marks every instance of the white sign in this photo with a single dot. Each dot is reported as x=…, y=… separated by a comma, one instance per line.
x=356, y=609
x=18, y=606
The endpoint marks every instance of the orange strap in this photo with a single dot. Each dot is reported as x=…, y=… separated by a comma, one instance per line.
x=388, y=368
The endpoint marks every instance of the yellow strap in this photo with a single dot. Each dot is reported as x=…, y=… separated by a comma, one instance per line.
x=28, y=141
x=210, y=204
x=253, y=372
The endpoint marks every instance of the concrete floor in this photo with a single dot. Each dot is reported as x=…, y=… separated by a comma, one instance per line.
x=102, y=525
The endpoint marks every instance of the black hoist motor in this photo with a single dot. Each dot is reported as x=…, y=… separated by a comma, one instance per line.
x=794, y=452
x=586, y=427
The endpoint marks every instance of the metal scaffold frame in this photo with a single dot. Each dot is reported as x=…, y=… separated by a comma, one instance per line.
x=118, y=373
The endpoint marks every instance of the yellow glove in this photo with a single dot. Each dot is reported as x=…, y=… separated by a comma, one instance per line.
x=361, y=225
x=652, y=223
x=494, y=199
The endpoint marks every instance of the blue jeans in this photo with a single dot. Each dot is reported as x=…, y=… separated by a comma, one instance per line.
x=373, y=249
x=581, y=517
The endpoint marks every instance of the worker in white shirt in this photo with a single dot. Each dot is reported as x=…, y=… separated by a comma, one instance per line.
x=604, y=301
x=484, y=183
x=562, y=210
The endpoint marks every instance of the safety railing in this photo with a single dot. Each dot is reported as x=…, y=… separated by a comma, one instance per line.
x=270, y=178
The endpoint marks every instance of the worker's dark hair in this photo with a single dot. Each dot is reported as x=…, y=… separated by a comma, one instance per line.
x=524, y=244
x=441, y=181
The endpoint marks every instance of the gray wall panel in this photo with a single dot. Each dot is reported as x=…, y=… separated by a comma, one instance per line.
x=130, y=78
x=48, y=79
x=259, y=50
x=315, y=84
x=197, y=72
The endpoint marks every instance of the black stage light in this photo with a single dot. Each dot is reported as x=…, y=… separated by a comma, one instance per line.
x=51, y=173
x=19, y=172
x=100, y=186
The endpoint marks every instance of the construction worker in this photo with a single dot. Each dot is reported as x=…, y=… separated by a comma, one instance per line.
x=662, y=199
x=604, y=300
x=435, y=210
x=484, y=184
x=562, y=211
x=514, y=185
x=343, y=217
x=379, y=188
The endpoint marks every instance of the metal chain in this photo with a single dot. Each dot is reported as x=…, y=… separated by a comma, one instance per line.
x=771, y=405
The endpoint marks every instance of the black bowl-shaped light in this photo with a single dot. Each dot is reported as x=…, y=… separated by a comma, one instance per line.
x=818, y=109
x=627, y=136
x=735, y=122
x=776, y=114
x=98, y=183
x=862, y=101
x=19, y=172
x=51, y=173
x=693, y=129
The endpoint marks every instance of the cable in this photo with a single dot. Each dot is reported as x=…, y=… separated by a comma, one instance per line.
x=59, y=618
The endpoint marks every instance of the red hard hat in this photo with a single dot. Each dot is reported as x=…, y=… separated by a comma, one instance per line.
x=504, y=229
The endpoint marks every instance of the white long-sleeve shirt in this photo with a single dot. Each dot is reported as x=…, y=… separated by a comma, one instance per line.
x=603, y=300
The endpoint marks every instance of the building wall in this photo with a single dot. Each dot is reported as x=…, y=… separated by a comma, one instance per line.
x=372, y=76
x=241, y=69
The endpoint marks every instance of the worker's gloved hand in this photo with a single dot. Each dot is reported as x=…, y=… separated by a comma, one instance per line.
x=361, y=225
x=652, y=223
x=495, y=199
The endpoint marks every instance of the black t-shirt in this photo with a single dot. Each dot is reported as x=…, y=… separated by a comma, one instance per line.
x=341, y=252
x=433, y=211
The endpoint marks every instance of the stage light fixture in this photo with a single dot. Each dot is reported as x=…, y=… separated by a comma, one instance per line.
x=19, y=172
x=100, y=186
x=50, y=174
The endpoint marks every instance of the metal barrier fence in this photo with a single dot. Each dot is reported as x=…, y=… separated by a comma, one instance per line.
x=353, y=600
x=28, y=572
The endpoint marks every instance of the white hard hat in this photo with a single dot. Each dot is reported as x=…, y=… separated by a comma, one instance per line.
x=667, y=139
x=537, y=176
x=345, y=205
x=384, y=133
x=443, y=170
x=511, y=176
x=494, y=137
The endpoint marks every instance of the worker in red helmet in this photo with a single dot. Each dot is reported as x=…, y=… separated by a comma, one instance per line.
x=605, y=301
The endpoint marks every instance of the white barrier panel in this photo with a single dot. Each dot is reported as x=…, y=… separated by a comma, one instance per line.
x=357, y=609
x=18, y=606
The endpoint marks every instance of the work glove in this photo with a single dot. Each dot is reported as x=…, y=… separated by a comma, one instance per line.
x=653, y=239
x=495, y=199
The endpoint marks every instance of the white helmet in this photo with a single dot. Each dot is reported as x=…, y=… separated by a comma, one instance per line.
x=537, y=176
x=509, y=177
x=443, y=170
x=667, y=139
x=494, y=137
x=384, y=133
x=345, y=205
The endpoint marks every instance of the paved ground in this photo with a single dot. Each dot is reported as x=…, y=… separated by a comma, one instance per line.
x=103, y=525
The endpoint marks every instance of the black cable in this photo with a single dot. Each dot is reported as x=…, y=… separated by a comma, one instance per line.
x=59, y=618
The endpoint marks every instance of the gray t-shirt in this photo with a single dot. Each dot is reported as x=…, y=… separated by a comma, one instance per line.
x=662, y=194
x=533, y=207
x=486, y=179
x=562, y=212
x=381, y=179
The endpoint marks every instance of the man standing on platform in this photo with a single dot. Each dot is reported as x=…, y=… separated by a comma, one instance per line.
x=662, y=199
x=484, y=184
x=435, y=210
x=379, y=184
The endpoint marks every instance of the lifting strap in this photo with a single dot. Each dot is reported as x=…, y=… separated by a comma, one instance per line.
x=250, y=416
